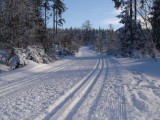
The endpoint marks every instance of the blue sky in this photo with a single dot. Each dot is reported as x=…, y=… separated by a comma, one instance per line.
x=101, y=13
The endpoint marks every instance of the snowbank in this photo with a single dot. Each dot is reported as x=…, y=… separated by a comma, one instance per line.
x=19, y=57
x=4, y=68
x=145, y=66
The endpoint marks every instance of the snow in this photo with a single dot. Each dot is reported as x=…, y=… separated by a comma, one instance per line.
x=146, y=66
x=4, y=68
x=142, y=79
x=19, y=57
x=89, y=86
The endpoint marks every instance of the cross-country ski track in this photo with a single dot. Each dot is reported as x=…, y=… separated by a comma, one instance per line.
x=89, y=86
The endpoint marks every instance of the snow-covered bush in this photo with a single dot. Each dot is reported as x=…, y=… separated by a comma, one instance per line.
x=17, y=61
x=37, y=54
x=19, y=56
x=34, y=54
x=60, y=52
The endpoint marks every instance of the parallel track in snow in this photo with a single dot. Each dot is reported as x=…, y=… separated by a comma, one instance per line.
x=112, y=93
x=63, y=107
x=87, y=103
x=15, y=85
x=81, y=91
x=19, y=71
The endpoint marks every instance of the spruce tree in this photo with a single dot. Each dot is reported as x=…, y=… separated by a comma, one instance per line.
x=58, y=9
x=155, y=22
x=86, y=27
x=131, y=40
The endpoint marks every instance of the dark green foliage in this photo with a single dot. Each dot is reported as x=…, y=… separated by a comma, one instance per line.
x=155, y=22
x=118, y=3
x=58, y=9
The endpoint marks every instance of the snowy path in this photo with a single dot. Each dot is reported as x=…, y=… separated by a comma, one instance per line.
x=85, y=87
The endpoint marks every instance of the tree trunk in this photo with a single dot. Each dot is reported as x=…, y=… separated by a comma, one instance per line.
x=56, y=20
x=135, y=10
x=53, y=20
x=11, y=23
x=131, y=27
x=131, y=9
x=45, y=7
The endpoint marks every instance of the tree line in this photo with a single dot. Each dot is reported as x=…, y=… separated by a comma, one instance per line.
x=24, y=23
x=139, y=35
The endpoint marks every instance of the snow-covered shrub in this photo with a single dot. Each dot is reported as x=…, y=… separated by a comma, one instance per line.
x=37, y=54
x=33, y=54
x=17, y=59
x=61, y=52
x=19, y=56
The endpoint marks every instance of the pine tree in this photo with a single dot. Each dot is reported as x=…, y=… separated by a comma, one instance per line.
x=58, y=9
x=118, y=3
x=131, y=40
x=3, y=23
x=86, y=27
x=46, y=7
x=23, y=26
x=155, y=22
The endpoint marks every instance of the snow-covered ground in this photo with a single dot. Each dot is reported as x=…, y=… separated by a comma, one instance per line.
x=88, y=86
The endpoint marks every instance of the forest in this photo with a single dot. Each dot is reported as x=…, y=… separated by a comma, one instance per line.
x=26, y=27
